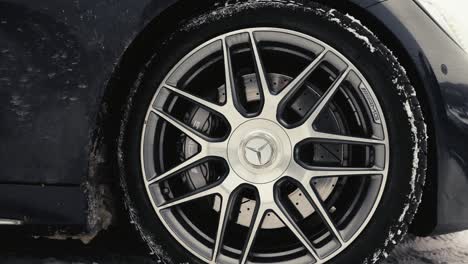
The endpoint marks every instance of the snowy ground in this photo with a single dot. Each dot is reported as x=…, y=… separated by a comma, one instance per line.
x=114, y=249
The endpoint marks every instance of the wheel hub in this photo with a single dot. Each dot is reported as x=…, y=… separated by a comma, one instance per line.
x=259, y=151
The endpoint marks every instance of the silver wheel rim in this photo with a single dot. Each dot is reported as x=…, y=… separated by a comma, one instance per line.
x=260, y=152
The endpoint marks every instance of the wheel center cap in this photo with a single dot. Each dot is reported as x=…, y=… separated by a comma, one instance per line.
x=259, y=151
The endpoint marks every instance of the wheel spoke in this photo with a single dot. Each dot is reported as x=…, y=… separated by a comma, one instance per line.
x=254, y=226
x=326, y=97
x=320, y=208
x=302, y=77
x=195, y=99
x=187, y=130
x=185, y=165
x=228, y=74
x=289, y=222
x=260, y=69
x=227, y=202
x=334, y=138
x=202, y=192
x=323, y=172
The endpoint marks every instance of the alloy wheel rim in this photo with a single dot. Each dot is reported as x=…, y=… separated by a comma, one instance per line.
x=239, y=147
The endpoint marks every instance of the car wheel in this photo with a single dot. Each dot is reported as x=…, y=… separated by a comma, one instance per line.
x=273, y=132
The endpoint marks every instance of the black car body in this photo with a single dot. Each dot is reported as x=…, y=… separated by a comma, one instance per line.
x=66, y=68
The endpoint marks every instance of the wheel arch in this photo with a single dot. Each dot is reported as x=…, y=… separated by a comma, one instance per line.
x=103, y=158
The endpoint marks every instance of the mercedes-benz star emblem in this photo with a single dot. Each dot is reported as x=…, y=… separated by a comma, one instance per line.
x=258, y=151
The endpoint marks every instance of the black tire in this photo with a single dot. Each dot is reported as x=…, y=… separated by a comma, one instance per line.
x=397, y=98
